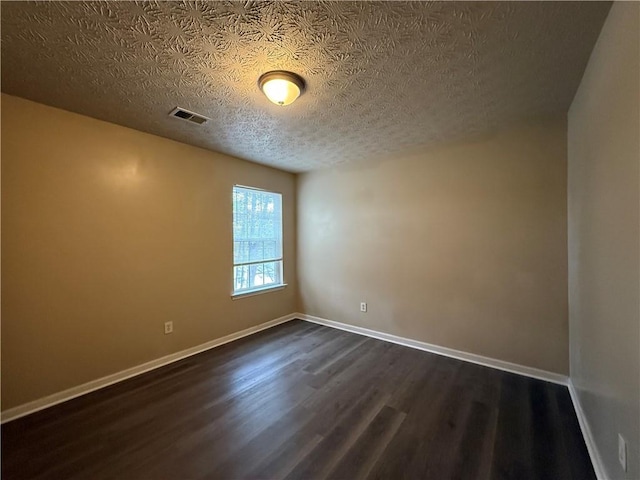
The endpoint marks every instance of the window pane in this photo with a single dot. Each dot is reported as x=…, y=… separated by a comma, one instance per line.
x=269, y=274
x=248, y=277
x=257, y=238
x=240, y=278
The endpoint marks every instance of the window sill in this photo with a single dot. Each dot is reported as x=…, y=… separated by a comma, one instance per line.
x=257, y=291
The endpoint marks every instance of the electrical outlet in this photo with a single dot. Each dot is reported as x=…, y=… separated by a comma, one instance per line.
x=622, y=452
x=363, y=307
x=168, y=327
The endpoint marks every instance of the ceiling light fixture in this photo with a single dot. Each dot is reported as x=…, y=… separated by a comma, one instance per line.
x=281, y=87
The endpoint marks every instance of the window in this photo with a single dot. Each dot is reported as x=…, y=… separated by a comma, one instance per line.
x=257, y=239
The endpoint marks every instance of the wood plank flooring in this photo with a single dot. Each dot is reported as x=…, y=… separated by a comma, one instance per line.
x=303, y=401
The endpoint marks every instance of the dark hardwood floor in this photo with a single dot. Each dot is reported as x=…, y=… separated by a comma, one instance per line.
x=303, y=401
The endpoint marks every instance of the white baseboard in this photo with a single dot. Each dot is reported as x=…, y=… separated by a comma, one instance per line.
x=596, y=460
x=448, y=352
x=51, y=400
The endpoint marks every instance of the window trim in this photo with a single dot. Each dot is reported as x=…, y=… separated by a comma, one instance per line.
x=235, y=295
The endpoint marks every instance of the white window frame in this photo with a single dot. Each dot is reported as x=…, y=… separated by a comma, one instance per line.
x=262, y=289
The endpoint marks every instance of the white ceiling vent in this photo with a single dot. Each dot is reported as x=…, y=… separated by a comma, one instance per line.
x=189, y=116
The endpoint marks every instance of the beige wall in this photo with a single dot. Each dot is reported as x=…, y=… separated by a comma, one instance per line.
x=108, y=233
x=604, y=288
x=464, y=247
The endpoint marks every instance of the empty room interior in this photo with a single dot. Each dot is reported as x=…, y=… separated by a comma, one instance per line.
x=305, y=240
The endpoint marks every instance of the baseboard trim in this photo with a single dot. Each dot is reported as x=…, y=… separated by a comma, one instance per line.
x=65, y=395
x=447, y=352
x=596, y=460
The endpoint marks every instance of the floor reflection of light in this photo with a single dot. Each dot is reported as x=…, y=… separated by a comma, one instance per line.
x=258, y=388
x=253, y=372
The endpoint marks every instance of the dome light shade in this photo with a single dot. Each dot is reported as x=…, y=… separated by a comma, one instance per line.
x=281, y=87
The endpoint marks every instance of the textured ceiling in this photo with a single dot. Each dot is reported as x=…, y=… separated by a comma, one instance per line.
x=382, y=78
